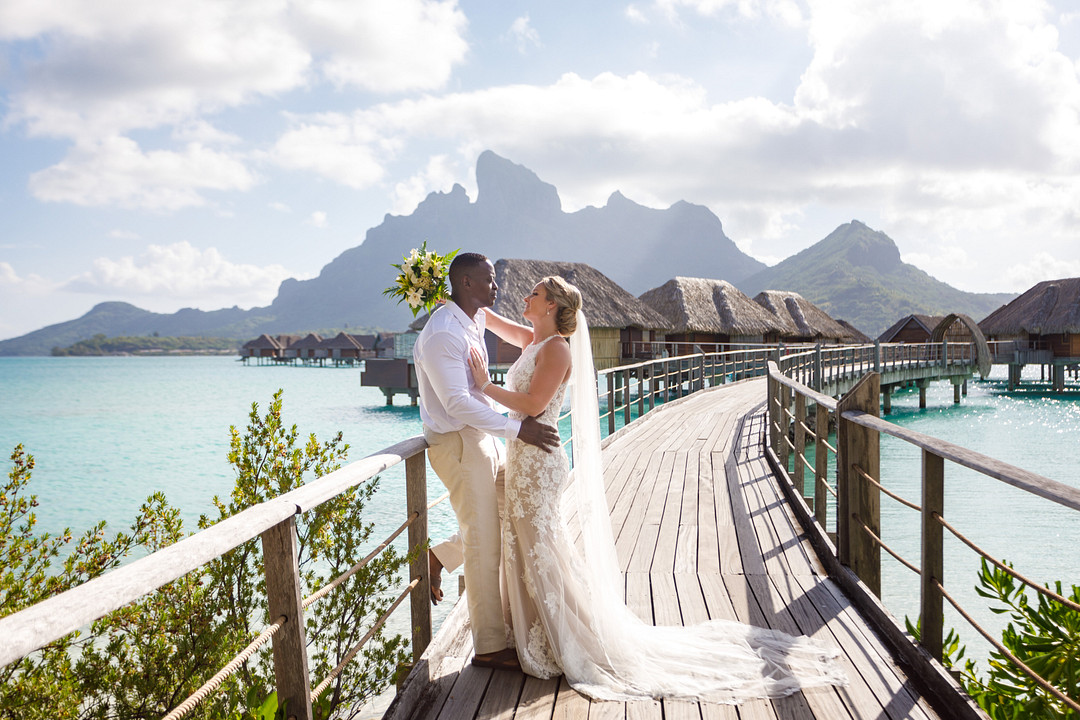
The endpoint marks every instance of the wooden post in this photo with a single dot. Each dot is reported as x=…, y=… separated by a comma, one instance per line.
x=817, y=368
x=956, y=391
x=877, y=356
x=626, y=398
x=800, y=442
x=773, y=414
x=284, y=597
x=641, y=391
x=821, y=466
x=886, y=399
x=701, y=372
x=783, y=449
x=933, y=564
x=611, y=403
x=857, y=445
x=416, y=500
x=923, y=384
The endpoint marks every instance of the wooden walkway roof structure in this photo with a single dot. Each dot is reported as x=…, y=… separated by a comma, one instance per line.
x=702, y=531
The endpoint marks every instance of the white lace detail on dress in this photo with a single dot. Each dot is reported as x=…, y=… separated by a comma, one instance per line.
x=564, y=586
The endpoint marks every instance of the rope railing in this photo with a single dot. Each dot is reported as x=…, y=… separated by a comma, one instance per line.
x=1039, y=680
x=858, y=489
x=321, y=687
x=884, y=546
x=233, y=665
x=1005, y=568
x=903, y=501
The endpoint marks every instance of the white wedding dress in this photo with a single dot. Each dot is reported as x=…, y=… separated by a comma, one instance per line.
x=564, y=585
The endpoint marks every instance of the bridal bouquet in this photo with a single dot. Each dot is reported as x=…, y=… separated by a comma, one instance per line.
x=422, y=281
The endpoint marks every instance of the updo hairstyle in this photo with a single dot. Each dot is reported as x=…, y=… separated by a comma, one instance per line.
x=567, y=299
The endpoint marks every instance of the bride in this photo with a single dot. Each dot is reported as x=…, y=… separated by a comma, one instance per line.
x=564, y=587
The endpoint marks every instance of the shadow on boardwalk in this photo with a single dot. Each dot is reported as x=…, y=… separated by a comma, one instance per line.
x=702, y=531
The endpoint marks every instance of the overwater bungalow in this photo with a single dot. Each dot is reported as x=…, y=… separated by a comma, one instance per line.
x=343, y=349
x=1041, y=326
x=306, y=349
x=263, y=348
x=705, y=313
x=618, y=321
x=805, y=321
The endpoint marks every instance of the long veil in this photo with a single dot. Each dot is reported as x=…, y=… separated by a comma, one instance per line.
x=608, y=652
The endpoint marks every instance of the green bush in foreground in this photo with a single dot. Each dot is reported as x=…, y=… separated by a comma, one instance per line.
x=1044, y=635
x=147, y=657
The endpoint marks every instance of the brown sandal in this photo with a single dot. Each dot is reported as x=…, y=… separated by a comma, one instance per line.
x=506, y=659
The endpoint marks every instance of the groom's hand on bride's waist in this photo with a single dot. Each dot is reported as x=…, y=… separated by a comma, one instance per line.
x=536, y=433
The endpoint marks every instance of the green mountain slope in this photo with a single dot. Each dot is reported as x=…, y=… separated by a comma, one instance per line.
x=856, y=274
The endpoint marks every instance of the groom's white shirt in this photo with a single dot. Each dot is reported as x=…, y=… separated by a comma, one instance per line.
x=449, y=400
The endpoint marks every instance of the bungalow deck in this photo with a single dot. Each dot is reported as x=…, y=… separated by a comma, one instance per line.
x=702, y=531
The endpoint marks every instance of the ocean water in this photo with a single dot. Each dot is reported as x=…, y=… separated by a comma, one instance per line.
x=106, y=432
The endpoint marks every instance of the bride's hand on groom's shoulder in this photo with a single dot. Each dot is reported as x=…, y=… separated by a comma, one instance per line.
x=536, y=433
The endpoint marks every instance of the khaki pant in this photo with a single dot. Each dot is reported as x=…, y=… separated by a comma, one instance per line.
x=470, y=464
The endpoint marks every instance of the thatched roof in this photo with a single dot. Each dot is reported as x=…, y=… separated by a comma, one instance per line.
x=710, y=306
x=342, y=341
x=1052, y=306
x=803, y=318
x=310, y=342
x=857, y=335
x=606, y=305
x=262, y=342
x=928, y=323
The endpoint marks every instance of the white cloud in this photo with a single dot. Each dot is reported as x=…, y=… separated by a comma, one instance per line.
x=280, y=207
x=166, y=276
x=635, y=15
x=788, y=12
x=124, y=234
x=27, y=301
x=318, y=219
x=524, y=35
x=335, y=147
x=1041, y=266
x=383, y=46
x=117, y=172
x=437, y=176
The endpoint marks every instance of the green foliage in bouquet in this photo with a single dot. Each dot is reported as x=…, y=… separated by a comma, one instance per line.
x=422, y=280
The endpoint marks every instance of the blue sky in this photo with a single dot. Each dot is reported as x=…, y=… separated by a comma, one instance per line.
x=196, y=153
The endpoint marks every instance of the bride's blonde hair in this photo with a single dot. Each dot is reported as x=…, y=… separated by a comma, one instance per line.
x=567, y=299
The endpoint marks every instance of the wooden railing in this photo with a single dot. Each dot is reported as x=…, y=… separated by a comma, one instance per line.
x=644, y=385
x=274, y=521
x=851, y=548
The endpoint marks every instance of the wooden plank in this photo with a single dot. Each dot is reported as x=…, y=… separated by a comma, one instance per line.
x=687, y=542
x=501, y=699
x=466, y=694
x=666, y=611
x=432, y=678
x=537, y=701
x=721, y=605
x=874, y=662
x=708, y=549
x=693, y=609
x=667, y=533
x=648, y=526
x=750, y=475
x=750, y=551
x=639, y=600
x=629, y=513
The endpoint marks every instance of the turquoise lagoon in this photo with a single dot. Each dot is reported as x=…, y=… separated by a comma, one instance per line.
x=106, y=432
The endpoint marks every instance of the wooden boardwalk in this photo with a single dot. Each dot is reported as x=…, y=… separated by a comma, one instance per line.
x=702, y=531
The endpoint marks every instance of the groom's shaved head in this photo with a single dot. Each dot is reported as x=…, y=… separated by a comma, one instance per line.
x=462, y=264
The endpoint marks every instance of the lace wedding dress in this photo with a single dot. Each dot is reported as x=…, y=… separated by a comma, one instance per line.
x=564, y=587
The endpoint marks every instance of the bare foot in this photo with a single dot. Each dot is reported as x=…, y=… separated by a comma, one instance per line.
x=435, y=573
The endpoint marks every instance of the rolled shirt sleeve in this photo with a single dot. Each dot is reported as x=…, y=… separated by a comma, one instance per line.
x=449, y=400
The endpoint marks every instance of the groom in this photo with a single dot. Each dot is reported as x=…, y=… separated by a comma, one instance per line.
x=460, y=425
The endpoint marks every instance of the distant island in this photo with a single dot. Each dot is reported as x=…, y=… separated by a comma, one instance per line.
x=856, y=273
x=149, y=345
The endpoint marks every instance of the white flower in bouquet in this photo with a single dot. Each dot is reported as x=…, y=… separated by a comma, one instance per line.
x=421, y=280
